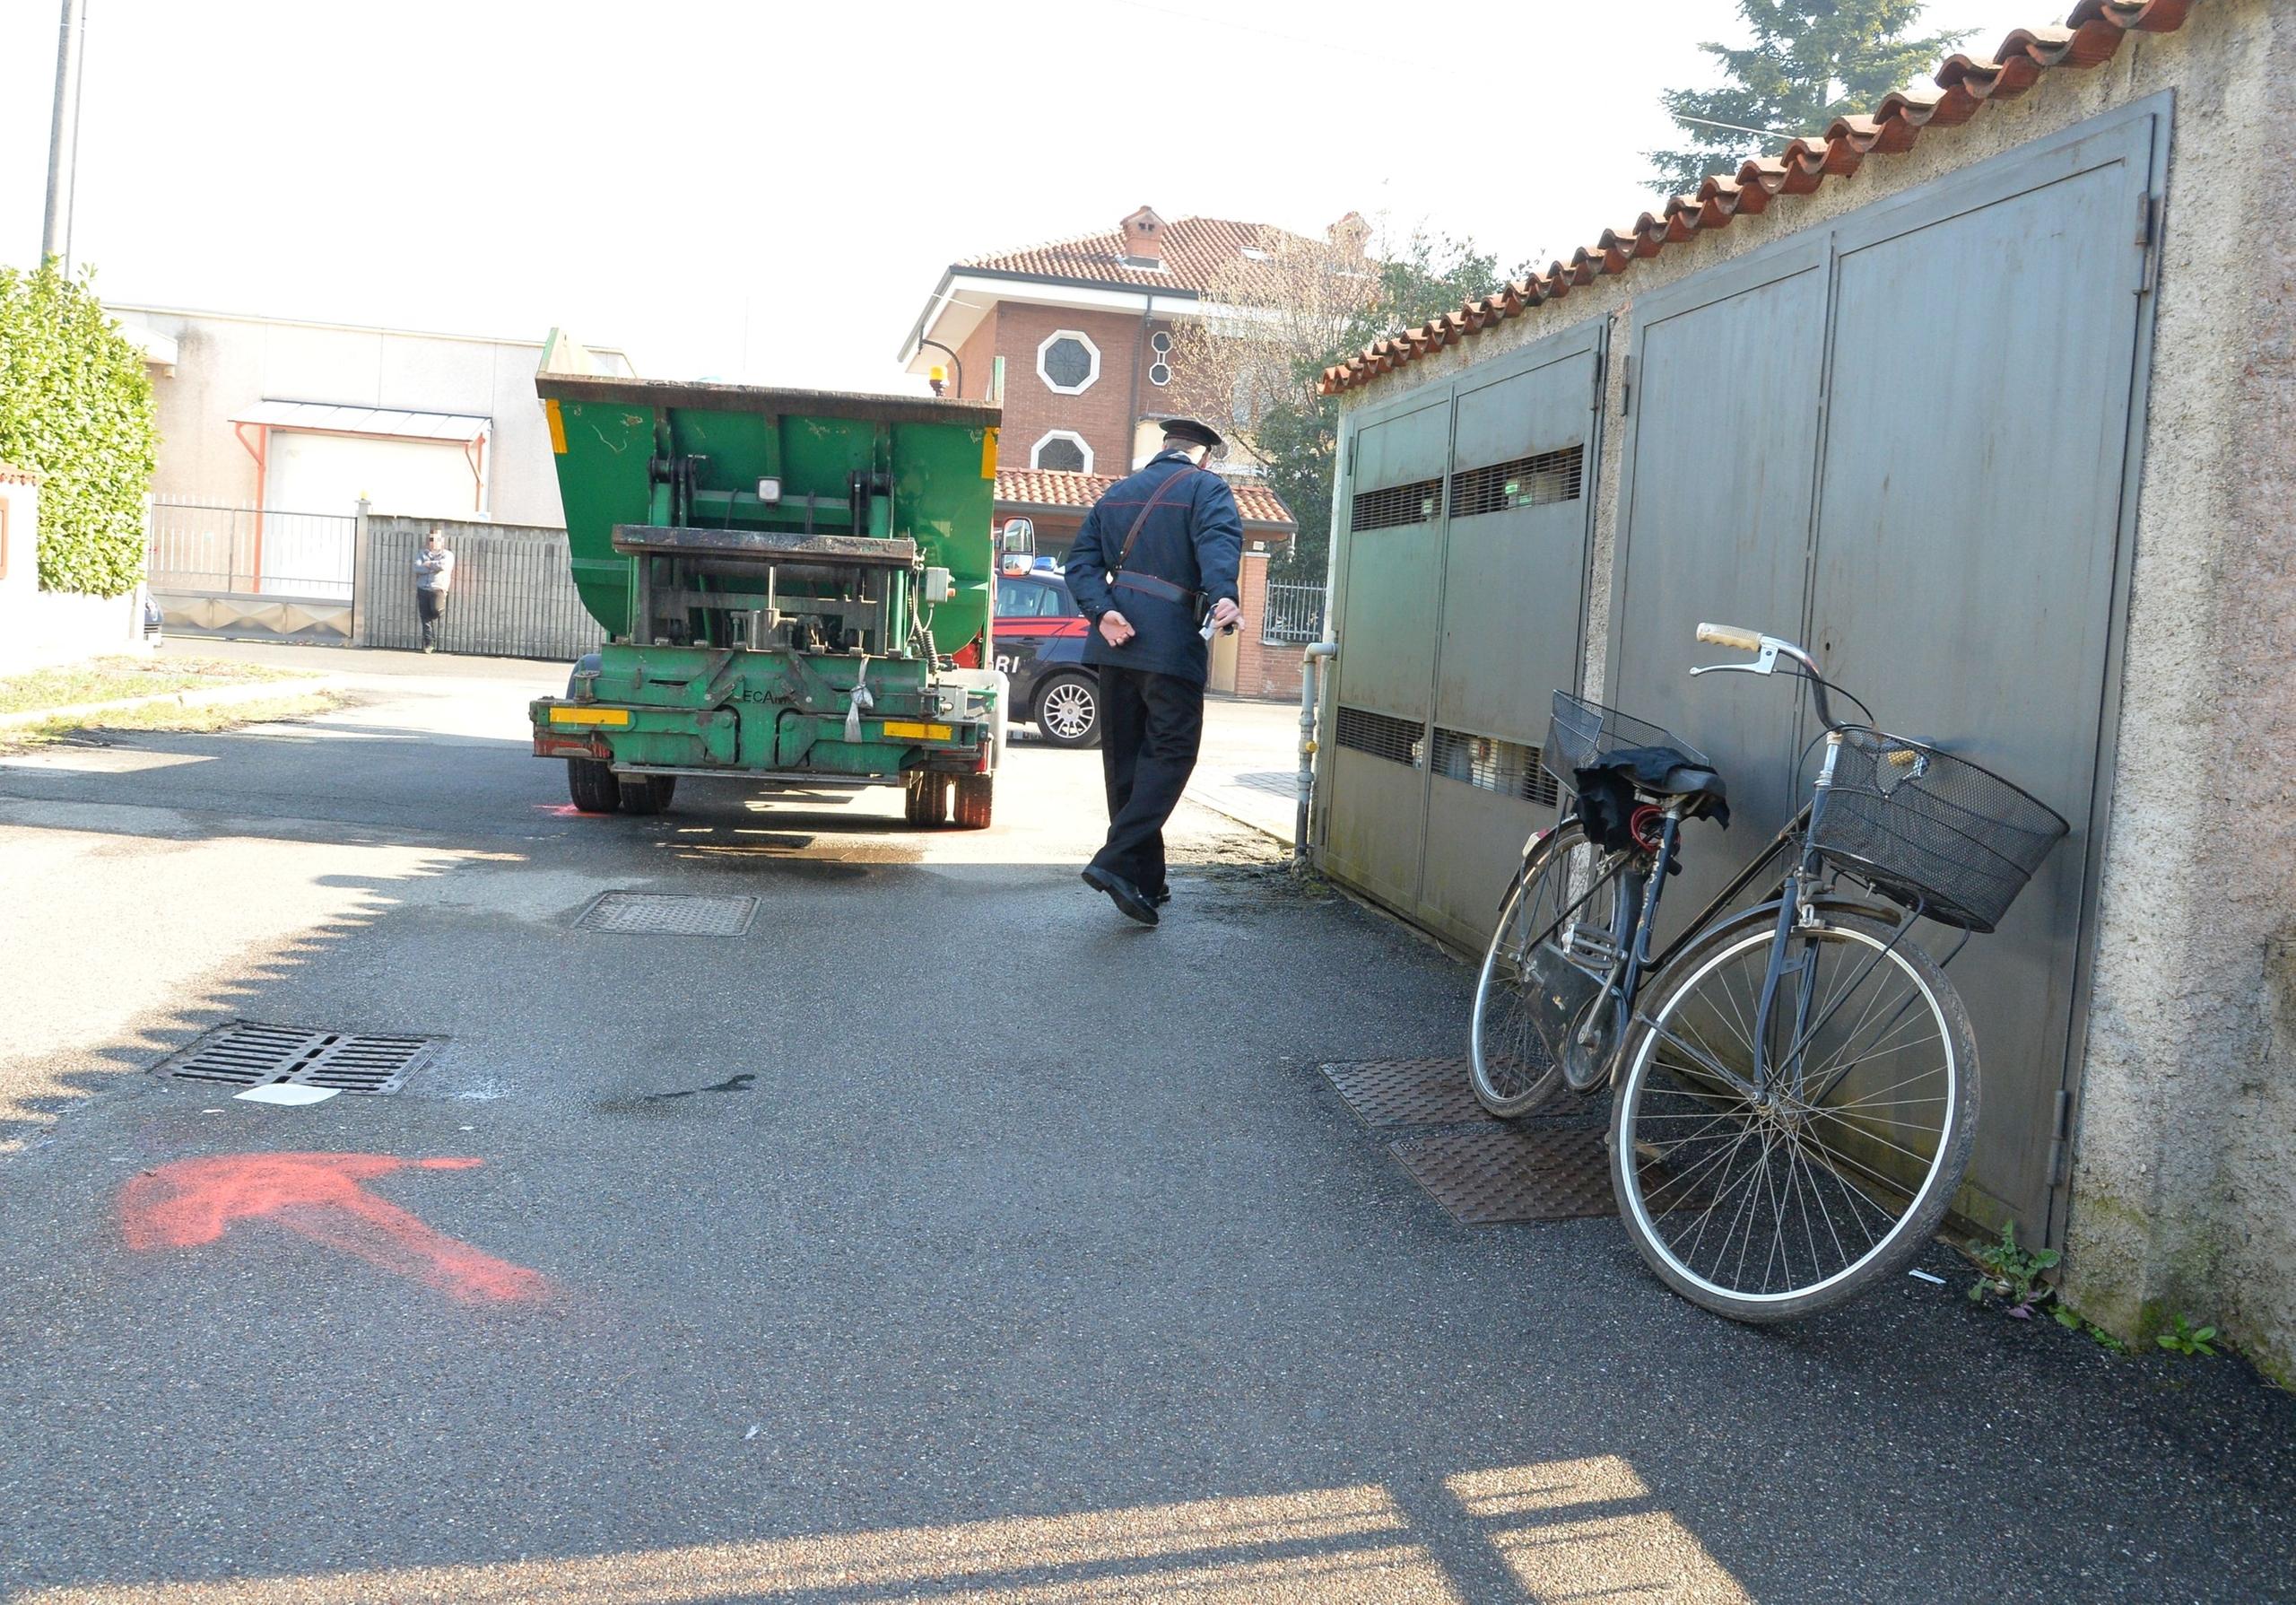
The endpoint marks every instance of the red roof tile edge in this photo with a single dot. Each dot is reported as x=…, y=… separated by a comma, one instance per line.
x=1058, y=487
x=11, y=474
x=2091, y=35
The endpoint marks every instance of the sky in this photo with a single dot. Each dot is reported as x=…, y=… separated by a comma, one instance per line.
x=768, y=191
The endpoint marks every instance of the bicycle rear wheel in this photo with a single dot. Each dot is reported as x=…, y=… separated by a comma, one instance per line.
x=1541, y=973
x=1769, y=1205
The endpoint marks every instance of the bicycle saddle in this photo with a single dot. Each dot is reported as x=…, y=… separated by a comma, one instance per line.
x=1607, y=792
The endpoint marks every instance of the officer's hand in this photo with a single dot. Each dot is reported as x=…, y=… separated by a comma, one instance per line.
x=1226, y=615
x=1115, y=628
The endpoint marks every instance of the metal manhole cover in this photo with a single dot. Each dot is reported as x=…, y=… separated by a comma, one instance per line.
x=662, y=914
x=1522, y=1171
x=247, y=1053
x=1407, y=1092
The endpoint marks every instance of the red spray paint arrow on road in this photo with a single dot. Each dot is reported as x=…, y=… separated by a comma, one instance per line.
x=322, y=1197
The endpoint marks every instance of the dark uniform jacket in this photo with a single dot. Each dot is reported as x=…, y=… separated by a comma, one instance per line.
x=1193, y=539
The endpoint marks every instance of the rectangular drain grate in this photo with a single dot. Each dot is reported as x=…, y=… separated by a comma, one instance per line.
x=661, y=914
x=1550, y=1165
x=1519, y=1170
x=247, y=1053
x=1407, y=1092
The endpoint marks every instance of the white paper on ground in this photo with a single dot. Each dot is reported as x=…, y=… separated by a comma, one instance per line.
x=288, y=1093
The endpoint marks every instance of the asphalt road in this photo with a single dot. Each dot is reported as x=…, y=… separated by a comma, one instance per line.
x=941, y=1237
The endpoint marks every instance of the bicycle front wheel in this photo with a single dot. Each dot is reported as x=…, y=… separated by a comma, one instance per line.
x=1769, y=1194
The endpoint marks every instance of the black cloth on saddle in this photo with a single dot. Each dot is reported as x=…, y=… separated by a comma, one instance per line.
x=1607, y=802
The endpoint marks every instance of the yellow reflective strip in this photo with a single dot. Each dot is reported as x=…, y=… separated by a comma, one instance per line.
x=988, y=454
x=917, y=732
x=557, y=425
x=589, y=716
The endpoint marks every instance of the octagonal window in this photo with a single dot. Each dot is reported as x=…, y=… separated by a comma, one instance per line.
x=1062, y=450
x=1068, y=361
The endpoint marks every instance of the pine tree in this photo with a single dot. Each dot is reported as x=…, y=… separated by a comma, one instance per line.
x=1810, y=62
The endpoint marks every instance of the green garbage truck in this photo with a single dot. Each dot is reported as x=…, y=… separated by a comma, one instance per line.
x=796, y=588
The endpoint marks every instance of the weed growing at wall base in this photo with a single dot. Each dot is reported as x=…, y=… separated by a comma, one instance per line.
x=76, y=404
x=2012, y=1273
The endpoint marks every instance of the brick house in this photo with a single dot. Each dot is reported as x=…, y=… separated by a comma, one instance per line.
x=1085, y=330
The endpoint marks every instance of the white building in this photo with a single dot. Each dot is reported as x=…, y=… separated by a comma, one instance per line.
x=301, y=417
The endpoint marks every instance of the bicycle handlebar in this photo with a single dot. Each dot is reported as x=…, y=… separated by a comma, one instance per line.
x=1769, y=650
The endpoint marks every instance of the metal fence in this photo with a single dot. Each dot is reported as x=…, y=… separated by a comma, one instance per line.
x=216, y=548
x=513, y=594
x=1295, y=614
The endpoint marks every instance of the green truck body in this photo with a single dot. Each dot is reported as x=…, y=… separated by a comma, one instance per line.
x=794, y=586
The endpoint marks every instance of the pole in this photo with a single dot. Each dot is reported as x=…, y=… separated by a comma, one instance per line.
x=79, y=100
x=56, y=228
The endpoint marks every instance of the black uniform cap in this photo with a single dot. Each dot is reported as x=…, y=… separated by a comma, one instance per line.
x=1195, y=433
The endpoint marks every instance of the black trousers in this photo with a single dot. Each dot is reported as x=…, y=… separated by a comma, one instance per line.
x=431, y=607
x=1151, y=726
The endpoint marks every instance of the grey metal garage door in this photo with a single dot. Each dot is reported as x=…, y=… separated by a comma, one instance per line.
x=1461, y=608
x=1921, y=475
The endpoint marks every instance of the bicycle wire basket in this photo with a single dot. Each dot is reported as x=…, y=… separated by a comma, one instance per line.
x=1581, y=734
x=1930, y=831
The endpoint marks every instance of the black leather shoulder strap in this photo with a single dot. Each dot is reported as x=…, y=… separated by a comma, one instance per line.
x=1133, y=534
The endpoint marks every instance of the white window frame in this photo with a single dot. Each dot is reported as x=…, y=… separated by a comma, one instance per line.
x=1091, y=350
x=1083, y=445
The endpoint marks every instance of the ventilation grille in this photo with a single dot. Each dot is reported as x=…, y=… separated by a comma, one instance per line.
x=1507, y=767
x=247, y=1053
x=1398, y=504
x=1526, y=482
x=1381, y=735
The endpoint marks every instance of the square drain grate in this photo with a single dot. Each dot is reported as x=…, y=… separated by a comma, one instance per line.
x=1511, y=1171
x=663, y=914
x=247, y=1053
x=1407, y=1092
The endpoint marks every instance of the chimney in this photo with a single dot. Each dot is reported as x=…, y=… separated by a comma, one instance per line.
x=1143, y=239
x=1349, y=235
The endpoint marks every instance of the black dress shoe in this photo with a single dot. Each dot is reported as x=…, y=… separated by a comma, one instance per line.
x=1127, y=898
x=1157, y=900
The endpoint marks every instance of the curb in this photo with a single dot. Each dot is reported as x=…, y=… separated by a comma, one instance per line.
x=1213, y=806
x=220, y=696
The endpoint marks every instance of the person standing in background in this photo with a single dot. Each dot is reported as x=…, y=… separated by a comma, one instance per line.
x=434, y=576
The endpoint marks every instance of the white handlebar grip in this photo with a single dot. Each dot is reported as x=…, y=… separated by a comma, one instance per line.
x=1730, y=635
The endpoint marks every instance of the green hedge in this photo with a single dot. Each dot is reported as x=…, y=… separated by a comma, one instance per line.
x=76, y=405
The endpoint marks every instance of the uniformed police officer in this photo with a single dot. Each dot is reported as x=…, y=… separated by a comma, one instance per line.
x=1155, y=560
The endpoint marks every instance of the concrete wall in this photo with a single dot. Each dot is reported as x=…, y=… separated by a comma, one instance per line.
x=2182, y=1200
x=226, y=363
x=40, y=628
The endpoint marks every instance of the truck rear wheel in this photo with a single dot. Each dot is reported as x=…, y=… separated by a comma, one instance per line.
x=592, y=785
x=647, y=793
x=976, y=801
x=924, y=798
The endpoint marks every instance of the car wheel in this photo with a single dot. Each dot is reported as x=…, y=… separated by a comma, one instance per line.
x=1068, y=710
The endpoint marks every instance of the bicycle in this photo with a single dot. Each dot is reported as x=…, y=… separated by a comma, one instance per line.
x=1795, y=1086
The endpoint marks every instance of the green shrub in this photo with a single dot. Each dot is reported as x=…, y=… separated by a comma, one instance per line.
x=76, y=405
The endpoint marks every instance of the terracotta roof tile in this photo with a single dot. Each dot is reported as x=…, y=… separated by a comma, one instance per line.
x=2091, y=35
x=1197, y=251
x=1050, y=487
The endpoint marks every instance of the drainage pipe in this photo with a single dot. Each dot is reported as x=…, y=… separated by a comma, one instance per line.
x=1311, y=662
